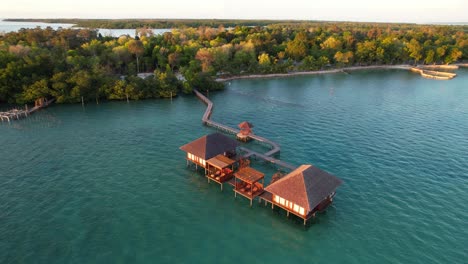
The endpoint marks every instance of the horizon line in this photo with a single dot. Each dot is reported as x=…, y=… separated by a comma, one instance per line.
x=239, y=19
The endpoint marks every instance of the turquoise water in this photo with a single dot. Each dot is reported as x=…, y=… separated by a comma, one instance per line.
x=108, y=184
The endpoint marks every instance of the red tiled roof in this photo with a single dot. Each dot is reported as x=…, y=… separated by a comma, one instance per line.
x=211, y=145
x=306, y=186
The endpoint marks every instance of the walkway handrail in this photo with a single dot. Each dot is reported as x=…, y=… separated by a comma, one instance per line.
x=266, y=156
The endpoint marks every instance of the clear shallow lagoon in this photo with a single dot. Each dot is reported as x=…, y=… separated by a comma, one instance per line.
x=108, y=184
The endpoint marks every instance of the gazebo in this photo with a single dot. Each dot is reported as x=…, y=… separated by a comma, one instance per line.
x=209, y=146
x=219, y=169
x=245, y=130
x=303, y=192
x=247, y=183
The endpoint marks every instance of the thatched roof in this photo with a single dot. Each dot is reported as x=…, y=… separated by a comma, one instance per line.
x=306, y=186
x=245, y=125
x=211, y=145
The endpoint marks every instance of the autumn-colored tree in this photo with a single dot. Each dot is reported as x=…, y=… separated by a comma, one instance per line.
x=136, y=48
x=297, y=49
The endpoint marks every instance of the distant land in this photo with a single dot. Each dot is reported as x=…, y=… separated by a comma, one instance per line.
x=176, y=23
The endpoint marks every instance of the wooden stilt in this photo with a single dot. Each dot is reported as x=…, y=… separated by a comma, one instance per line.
x=82, y=101
x=127, y=97
x=305, y=221
x=287, y=213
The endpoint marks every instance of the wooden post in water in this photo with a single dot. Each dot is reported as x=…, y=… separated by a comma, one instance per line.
x=126, y=94
x=26, y=109
x=82, y=101
x=171, y=96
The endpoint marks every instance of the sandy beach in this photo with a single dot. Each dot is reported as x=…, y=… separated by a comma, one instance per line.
x=341, y=70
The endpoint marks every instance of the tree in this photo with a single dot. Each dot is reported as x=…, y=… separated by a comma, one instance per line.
x=136, y=48
x=264, y=62
x=38, y=89
x=297, y=49
x=332, y=43
x=309, y=64
x=173, y=60
x=454, y=55
x=366, y=52
x=206, y=58
x=415, y=50
x=429, y=57
x=343, y=58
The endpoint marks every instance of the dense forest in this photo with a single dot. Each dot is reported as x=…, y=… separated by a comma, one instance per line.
x=70, y=64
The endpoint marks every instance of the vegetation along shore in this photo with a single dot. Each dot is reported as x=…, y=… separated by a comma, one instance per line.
x=72, y=65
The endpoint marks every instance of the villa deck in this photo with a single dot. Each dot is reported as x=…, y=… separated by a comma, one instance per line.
x=302, y=192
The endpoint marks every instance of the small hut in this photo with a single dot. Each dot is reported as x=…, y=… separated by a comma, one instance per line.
x=304, y=191
x=247, y=183
x=40, y=102
x=209, y=146
x=245, y=131
x=219, y=169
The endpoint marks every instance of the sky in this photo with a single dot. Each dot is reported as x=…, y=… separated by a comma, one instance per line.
x=428, y=11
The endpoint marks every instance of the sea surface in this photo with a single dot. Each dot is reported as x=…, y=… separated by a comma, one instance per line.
x=107, y=183
x=12, y=26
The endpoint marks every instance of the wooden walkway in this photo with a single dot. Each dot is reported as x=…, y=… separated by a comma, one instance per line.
x=275, y=148
x=17, y=113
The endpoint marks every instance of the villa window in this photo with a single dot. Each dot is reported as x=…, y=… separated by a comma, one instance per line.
x=276, y=198
x=301, y=210
x=296, y=208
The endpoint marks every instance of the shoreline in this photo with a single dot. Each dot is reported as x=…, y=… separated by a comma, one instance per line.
x=341, y=70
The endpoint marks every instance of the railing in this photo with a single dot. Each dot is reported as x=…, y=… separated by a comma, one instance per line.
x=275, y=148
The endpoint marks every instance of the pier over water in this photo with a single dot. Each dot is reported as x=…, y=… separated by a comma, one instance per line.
x=275, y=148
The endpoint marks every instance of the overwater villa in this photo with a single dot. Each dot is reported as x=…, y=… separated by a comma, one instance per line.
x=207, y=147
x=302, y=192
